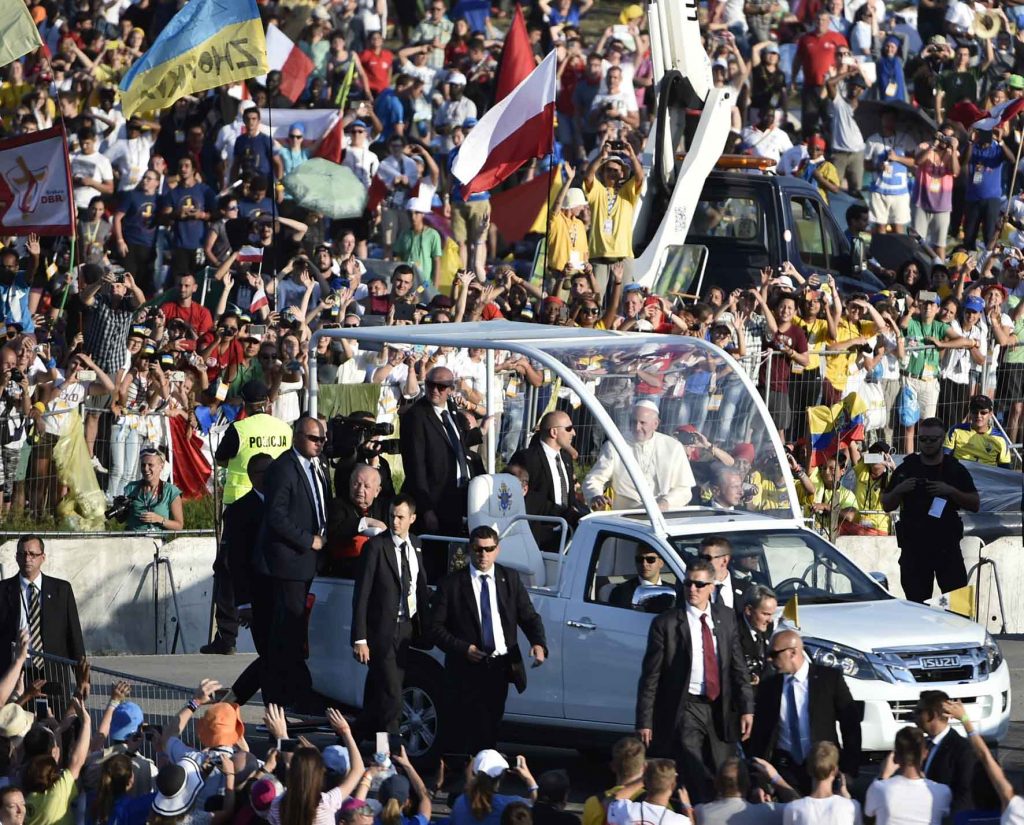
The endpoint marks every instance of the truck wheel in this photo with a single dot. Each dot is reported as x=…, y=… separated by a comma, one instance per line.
x=421, y=721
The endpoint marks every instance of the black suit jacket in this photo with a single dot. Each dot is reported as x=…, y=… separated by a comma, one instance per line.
x=455, y=620
x=829, y=702
x=755, y=650
x=62, y=632
x=378, y=592
x=953, y=764
x=343, y=519
x=540, y=501
x=665, y=674
x=243, y=519
x=290, y=522
x=431, y=467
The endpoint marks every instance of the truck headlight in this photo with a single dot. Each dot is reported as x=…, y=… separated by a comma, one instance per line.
x=992, y=653
x=851, y=662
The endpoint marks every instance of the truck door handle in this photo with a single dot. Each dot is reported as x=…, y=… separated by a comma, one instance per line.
x=581, y=625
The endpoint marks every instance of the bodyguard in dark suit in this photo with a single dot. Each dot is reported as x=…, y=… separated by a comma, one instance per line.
x=694, y=697
x=232, y=567
x=473, y=617
x=951, y=759
x=549, y=462
x=46, y=607
x=799, y=705
x=293, y=533
x=388, y=605
x=755, y=629
x=434, y=443
x=731, y=587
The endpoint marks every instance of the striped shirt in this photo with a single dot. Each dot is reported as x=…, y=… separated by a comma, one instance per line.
x=106, y=333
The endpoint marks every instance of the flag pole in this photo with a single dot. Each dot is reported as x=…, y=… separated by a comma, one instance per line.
x=1013, y=183
x=551, y=180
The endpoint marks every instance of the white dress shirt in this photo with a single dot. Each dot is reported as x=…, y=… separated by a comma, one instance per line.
x=25, y=584
x=724, y=592
x=316, y=488
x=500, y=648
x=933, y=747
x=696, y=684
x=552, y=458
x=802, y=694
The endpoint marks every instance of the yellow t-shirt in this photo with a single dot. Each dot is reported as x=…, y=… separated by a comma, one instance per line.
x=567, y=235
x=868, y=491
x=831, y=174
x=986, y=448
x=53, y=807
x=11, y=94
x=817, y=337
x=611, y=219
x=838, y=367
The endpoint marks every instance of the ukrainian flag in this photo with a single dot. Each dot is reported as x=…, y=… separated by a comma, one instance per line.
x=208, y=43
x=831, y=426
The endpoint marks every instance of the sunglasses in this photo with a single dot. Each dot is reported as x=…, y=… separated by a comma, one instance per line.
x=652, y=559
x=709, y=557
x=567, y=427
x=316, y=439
x=295, y=137
x=694, y=583
x=590, y=311
x=485, y=548
x=349, y=326
x=774, y=654
x=435, y=385
x=362, y=810
x=930, y=437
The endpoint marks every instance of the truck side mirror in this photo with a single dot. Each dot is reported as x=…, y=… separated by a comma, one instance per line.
x=656, y=599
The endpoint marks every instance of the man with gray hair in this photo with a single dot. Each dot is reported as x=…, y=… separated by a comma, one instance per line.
x=662, y=460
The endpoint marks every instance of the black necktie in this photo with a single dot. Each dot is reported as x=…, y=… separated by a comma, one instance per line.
x=563, y=478
x=456, y=444
x=318, y=498
x=718, y=591
x=486, y=618
x=403, y=610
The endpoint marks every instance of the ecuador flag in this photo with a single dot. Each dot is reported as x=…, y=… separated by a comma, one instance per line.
x=208, y=43
x=831, y=426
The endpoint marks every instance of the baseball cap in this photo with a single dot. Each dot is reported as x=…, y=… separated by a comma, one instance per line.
x=980, y=403
x=336, y=759
x=489, y=762
x=297, y=126
x=974, y=304
x=255, y=391
x=633, y=287
x=396, y=787
x=743, y=451
x=937, y=40
x=575, y=198
x=816, y=140
x=720, y=64
x=1000, y=287
x=220, y=726
x=456, y=79
x=1015, y=81
x=771, y=48
x=356, y=124
x=126, y=720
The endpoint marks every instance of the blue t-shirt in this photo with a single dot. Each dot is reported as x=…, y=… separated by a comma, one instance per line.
x=14, y=301
x=389, y=111
x=985, y=172
x=290, y=293
x=139, y=222
x=254, y=154
x=462, y=814
x=457, y=187
x=248, y=207
x=891, y=178
x=188, y=234
x=128, y=810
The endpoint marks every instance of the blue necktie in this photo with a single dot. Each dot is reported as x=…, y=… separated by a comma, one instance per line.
x=486, y=625
x=796, y=747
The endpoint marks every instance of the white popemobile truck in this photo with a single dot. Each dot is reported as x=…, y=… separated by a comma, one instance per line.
x=585, y=693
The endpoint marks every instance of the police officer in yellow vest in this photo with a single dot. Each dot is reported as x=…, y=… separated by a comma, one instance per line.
x=258, y=432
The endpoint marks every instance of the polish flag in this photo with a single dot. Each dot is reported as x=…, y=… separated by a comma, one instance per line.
x=259, y=300
x=284, y=56
x=517, y=59
x=516, y=129
x=332, y=146
x=999, y=115
x=250, y=254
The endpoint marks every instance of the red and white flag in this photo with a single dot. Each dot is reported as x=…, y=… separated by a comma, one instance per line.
x=35, y=185
x=250, y=254
x=287, y=58
x=516, y=129
x=259, y=300
x=517, y=59
x=999, y=115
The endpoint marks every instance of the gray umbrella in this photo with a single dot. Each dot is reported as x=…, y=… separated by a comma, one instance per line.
x=909, y=120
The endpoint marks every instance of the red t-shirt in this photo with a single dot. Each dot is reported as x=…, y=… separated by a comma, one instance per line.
x=377, y=68
x=218, y=362
x=816, y=54
x=196, y=316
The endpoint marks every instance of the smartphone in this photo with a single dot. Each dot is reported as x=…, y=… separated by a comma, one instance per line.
x=395, y=743
x=287, y=745
x=176, y=377
x=383, y=745
x=257, y=329
x=874, y=458
x=927, y=297
x=87, y=375
x=222, y=391
x=41, y=708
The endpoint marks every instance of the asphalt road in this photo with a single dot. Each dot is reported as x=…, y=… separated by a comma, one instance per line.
x=587, y=776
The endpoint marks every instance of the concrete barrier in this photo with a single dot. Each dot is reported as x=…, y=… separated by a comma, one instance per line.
x=1004, y=556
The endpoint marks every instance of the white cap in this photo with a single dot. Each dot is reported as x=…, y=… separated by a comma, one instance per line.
x=647, y=405
x=490, y=762
x=575, y=198
x=456, y=78
x=784, y=281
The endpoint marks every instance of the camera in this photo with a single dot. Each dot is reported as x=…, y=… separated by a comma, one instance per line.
x=118, y=510
x=688, y=439
x=17, y=376
x=617, y=145
x=347, y=435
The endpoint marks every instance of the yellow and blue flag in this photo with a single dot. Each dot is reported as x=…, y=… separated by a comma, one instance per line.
x=838, y=424
x=208, y=43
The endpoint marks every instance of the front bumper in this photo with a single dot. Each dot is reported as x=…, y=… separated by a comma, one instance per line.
x=889, y=707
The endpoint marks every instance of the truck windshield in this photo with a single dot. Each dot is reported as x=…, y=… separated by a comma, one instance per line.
x=792, y=561
x=739, y=218
x=700, y=401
